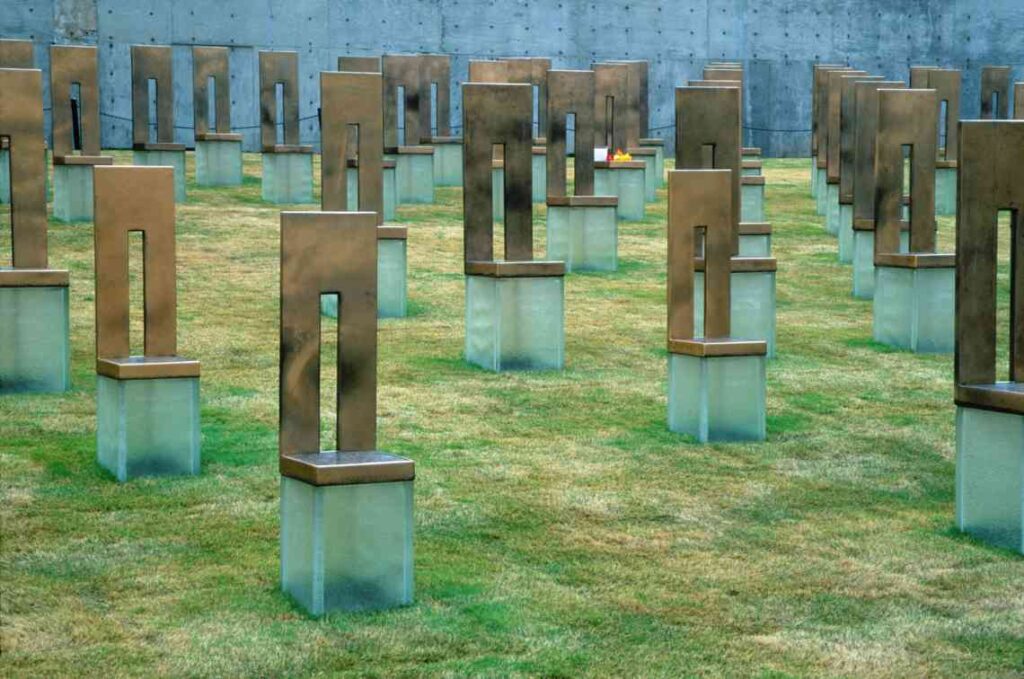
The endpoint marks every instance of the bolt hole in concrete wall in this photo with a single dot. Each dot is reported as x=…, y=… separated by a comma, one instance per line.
x=778, y=44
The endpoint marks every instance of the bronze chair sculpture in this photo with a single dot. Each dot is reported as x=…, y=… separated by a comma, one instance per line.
x=990, y=413
x=833, y=111
x=865, y=129
x=716, y=382
x=946, y=83
x=913, y=302
x=13, y=54
x=582, y=229
x=847, y=150
x=147, y=407
x=153, y=140
x=406, y=75
x=818, y=132
x=617, y=124
x=34, y=350
x=514, y=305
x=707, y=137
x=74, y=94
x=218, y=149
x=352, y=177
x=346, y=513
x=288, y=165
x=995, y=85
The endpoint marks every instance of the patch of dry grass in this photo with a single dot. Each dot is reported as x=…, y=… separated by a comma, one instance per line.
x=560, y=529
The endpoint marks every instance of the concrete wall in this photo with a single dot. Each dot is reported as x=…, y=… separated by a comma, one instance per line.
x=777, y=39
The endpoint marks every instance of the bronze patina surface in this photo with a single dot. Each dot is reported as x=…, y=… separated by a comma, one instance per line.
x=865, y=129
x=17, y=54
x=402, y=71
x=488, y=71
x=995, y=80
x=533, y=71
x=437, y=73
x=640, y=81
x=991, y=179
x=847, y=133
x=21, y=123
x=700, y=201
x=207, y=63
x=129, y=199
x=816, y=84
x=707, y=137
x=499, y=113
x=946, y=83
x=821, y=107
x=351, y=99
x=359, y=64
x=280, y=68
x=570, y=92
x=153, y=62
x=1018, y=101
x=616, y=109
x=327, y=253
x=832, y=112
x=70, y=65
x=905, y=118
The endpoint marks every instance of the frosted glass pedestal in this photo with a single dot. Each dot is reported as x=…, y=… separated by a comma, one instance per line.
x=288, y=178
x=585, y=237
x=539, y=188
x=175, y=159
x=391, y=282
x=447, y=163
x=755, y=245
x=515, y=323
x=627, y=184
x=147, y=427
x=717, y=398
x=814, y=177
x=72, y=193
x=752, y=307
x=219, y=163
x=990, y=476
x=945, y=191
x=832, y=209
x=414, y=175
x=347, y=547
x=659, y=159
x=864, y=261
x=647, y=157
x=822, y=194
x=752, y=201
x=914, y=308
x=35, y=353
x=845, y=233
x=352, y=188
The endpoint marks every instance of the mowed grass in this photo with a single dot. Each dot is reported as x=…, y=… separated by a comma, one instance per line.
x=561, y=530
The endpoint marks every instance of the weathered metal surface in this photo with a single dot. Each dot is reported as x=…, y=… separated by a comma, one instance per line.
x=280, y=68
x=991, y=179
x=328, y=253
x=570, y=92
x=995, y=80
x=17, y=54
x=616, y=107
x=70, y=65
x=707, y=137
x=136, y=199
x=820, y=107
x=905, y=118
x=832, y=113
x=495, y=113
x=153, y=62
x=21, y=123
x=207, y=63
x=847, y=134
x=946, y=83
x=865, y=129
x=351, y=100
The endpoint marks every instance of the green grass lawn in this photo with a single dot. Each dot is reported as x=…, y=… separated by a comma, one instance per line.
x=561, y=530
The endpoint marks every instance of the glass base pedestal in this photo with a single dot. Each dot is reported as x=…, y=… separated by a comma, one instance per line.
x=288, y=178
x=219, y=163
x=35, y=354
x=717, y=398
x=914, y=308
